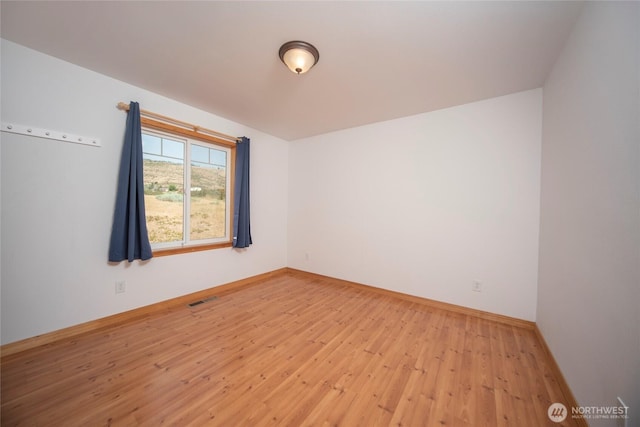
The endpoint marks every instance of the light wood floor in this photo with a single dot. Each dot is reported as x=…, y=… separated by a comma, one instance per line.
x=288, y=351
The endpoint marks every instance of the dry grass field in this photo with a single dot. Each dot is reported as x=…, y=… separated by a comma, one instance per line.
x=164, y=218
x=164, y=202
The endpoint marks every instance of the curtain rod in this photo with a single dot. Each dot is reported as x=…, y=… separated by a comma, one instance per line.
x=195, y=128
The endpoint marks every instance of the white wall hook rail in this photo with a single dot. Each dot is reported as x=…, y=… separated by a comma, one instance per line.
x=50, y=134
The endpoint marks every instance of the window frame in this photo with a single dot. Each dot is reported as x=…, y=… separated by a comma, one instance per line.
x=180, y=132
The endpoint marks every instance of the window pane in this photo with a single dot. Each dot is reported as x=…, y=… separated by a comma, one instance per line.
x=173, y=149
x=199, y=154
x=218, y=158
x=151, y=144
x=163, y=188
x=207, y=195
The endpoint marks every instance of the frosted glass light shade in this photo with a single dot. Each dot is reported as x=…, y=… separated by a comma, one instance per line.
x=299, y=56
x=298, y=60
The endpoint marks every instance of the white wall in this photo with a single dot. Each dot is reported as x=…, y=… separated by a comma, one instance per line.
x=426, y=204
x=589, y=287
x=58, y=200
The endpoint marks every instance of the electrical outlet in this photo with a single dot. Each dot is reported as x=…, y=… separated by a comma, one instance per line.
x=476, y=286
x=121, y=286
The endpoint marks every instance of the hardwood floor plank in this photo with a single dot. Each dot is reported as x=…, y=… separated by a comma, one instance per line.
x=291, y=350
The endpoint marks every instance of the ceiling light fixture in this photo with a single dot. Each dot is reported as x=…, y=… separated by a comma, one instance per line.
x=299, y=56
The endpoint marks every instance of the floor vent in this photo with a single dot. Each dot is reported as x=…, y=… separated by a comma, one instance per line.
x=202, y=301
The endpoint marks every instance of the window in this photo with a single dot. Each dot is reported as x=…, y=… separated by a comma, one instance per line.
x=187, y=190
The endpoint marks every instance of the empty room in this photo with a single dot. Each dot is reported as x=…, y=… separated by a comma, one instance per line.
x=339, y=213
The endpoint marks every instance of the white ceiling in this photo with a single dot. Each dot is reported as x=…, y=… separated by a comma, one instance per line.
x=378, y=60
